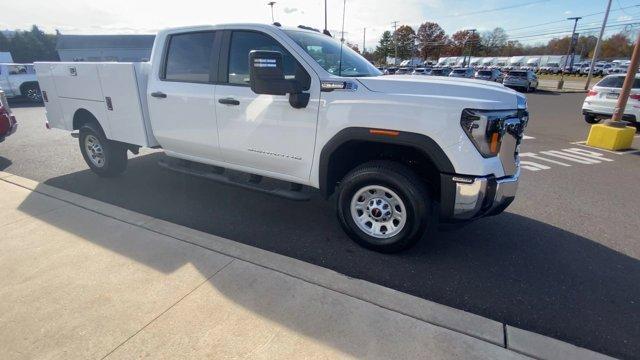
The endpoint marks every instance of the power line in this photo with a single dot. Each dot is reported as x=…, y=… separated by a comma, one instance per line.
x=566, y=32
x=563, y=20
x=561, y=29
x=497, y=9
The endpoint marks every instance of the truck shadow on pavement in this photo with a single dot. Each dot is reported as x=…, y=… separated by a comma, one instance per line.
x=4, y=163
x=509, y=268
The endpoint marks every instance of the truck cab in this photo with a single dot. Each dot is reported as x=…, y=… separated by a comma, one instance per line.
x=398, y=153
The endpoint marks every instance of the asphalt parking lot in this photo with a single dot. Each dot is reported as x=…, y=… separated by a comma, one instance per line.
x=563, y=261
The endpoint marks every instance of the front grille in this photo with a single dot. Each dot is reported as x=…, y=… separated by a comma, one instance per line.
x=512, y=132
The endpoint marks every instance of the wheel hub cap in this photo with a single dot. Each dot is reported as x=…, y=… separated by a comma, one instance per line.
x=94, y=150
x=378, y=211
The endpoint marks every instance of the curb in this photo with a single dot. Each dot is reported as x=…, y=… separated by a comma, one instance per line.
x=491, y=331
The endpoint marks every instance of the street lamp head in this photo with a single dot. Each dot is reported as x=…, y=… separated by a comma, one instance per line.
x=271, y=3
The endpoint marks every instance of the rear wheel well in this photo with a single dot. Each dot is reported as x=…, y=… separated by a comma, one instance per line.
x=356, y=152
x=82, y=117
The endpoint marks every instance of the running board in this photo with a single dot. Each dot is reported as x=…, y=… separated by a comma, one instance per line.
x=294, y=194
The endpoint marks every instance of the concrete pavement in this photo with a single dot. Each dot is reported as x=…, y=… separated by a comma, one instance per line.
x=84, y=279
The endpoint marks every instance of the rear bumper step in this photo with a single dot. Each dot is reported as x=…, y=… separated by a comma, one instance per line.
x=294, y=194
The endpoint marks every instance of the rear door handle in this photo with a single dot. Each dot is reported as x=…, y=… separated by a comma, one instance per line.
x=159, y=94
x=229, y=101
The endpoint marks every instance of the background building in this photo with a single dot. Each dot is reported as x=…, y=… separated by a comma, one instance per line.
x=121, y=48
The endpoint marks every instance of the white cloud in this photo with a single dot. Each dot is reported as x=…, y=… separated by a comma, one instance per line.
x=624, y=17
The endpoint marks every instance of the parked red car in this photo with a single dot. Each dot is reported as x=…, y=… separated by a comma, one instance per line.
x=8, y=123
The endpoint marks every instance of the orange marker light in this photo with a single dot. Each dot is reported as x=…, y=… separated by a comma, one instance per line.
x=495, y=143
x=383, y=132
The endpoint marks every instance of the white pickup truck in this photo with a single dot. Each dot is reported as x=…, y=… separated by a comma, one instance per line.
x=400, y=152
x=19, y=80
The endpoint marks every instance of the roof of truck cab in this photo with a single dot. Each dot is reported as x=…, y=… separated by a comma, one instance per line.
x=237, y=25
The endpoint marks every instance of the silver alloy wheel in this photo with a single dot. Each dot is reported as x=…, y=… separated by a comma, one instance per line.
x=34, y=95
x=94, y=150
x=378, y=211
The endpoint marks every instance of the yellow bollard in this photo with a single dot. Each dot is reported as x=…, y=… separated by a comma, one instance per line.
x=605, y=136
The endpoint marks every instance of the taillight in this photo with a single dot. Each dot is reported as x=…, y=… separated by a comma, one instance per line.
x=634, y=96
x=592, y=93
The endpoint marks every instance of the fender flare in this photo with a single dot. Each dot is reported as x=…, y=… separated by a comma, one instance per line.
x=421, y=142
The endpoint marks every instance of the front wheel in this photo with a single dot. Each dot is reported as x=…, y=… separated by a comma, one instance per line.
x=384, y=206
x=106, y=158
x=590, y=119
x=33, y=94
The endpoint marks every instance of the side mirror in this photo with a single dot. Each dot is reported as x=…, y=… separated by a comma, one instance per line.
x=266, y=73
x=266, y=76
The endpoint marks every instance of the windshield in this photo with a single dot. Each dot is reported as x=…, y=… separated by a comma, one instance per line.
x=518, y=73
x=326, y=52
x=460, y=71
x=484, y=72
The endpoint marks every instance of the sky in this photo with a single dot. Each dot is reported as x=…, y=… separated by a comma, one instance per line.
x=518, y=17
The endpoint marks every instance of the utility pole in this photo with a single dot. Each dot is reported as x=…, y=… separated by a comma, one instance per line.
x=464, y=47
x=596, y=52
x=271, y=3
x=628, y=82
x=395, y=42
x=573, y=33
x=364, y=41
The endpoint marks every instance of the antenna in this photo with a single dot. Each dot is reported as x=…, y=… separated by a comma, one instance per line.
x=344, y=6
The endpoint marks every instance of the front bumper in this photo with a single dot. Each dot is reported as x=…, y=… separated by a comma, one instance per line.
x=13, y=127
x=466, y=198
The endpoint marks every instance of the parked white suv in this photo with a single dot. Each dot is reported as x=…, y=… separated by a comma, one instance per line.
x=19, y=80
x=603, y=98
x=399, y=152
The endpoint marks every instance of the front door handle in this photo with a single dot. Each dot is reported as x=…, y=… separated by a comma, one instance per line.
x=229, y=101
x=159, y=94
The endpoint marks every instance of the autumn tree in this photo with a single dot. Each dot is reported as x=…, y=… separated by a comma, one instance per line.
x=492, y=42
x=462, y=42
x=617, y=46
x=431, y=39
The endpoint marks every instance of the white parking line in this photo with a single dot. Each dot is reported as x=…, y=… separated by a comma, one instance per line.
x=570, y=157
x=525, y=137
x=584, y=143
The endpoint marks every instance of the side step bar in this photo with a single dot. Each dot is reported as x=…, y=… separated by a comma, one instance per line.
x=253, y=184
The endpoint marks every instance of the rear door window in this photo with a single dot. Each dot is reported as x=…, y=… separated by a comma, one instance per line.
x=190, y=57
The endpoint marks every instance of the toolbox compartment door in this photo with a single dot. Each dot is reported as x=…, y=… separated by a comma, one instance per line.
x=123, y=105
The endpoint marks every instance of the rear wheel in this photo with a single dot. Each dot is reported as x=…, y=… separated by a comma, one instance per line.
x=591, y=119
x=106, y=158
x=384, y=206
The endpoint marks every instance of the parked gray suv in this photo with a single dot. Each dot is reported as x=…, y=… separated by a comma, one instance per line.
x=521, y=79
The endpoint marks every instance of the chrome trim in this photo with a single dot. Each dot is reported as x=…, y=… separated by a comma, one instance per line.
x=469, y=198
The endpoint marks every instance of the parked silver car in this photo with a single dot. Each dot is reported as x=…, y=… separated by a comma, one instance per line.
x=462, y=73
x=489, y=75
x=521, y=79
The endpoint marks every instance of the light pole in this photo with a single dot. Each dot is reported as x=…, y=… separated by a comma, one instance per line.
x=596, y=52
x=271, y=3
x=573, y=33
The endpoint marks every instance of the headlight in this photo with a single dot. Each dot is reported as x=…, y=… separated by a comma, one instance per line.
x=485, y=128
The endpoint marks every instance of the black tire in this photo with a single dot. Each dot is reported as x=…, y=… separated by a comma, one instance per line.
x=32, y=93
x=406, y=185
x=590, y=119
x=114, y=160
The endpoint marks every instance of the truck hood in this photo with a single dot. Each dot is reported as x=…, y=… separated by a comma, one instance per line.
x=492, y=94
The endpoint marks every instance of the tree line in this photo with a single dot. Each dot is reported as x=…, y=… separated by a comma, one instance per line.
x=29, y=46
x=431, y=42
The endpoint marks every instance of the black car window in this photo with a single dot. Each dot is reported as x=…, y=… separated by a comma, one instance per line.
x=189, y=57
x=612, y=82
x=242, y=42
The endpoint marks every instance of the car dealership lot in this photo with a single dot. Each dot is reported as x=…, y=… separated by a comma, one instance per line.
x=563, y=260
